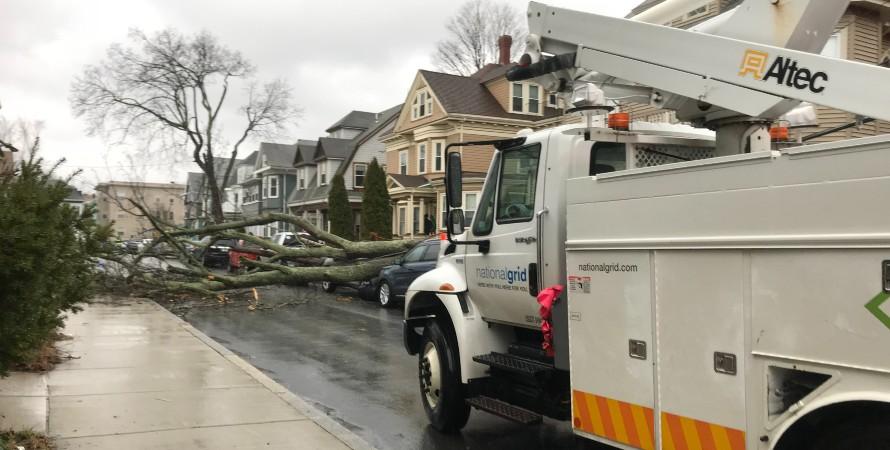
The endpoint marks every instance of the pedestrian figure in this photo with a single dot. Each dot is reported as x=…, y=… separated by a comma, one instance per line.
x=428, y=225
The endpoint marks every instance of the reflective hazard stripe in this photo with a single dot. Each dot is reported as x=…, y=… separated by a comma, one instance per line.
x=634, y=425
x=618, y=421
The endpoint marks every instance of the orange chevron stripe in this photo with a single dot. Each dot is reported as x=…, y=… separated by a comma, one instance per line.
x=684, y=433
x=621, y=422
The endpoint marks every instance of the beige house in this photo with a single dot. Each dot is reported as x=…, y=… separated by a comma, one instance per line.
x=113, y=203
x=7, y=162
x=442, y=109
x=862, y=34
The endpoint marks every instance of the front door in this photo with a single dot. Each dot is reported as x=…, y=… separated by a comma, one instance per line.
x=501, y=282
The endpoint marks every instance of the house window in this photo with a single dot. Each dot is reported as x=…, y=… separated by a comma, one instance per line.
x=517, y=97
x=834, y=47
x=438, y=156
x=301, y=178
x=552, y=100
x=423, y=104
x=421, y=158
x=270, y=187
x=470, y=201
x=358, y=173
x=403, y=162
x=697, y=12
x=402, y=218
x=323, y=173
x=525, y=98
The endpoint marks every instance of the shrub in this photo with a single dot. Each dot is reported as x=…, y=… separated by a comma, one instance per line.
x=376, y=208
x=45, y=264
x=339, y=211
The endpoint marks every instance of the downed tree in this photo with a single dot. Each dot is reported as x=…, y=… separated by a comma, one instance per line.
x=336, y=259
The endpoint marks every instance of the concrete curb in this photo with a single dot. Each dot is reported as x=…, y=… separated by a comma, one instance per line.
x=340, y=432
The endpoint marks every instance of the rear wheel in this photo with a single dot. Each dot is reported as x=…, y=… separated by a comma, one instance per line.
x=441, y=390
x=858, y=434
x=384, y=295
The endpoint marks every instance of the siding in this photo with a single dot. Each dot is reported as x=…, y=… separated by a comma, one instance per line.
x=474, y=159
x=404, y=121
x=500, y=89
x=370, y=149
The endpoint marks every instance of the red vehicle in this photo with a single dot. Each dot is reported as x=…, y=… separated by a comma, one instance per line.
x=235, y=256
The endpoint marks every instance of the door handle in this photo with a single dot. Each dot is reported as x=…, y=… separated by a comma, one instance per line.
x=533, y=285
x=538, y=275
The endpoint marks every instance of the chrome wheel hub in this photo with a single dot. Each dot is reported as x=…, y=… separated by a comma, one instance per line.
x=383, y=295
x=430, y=375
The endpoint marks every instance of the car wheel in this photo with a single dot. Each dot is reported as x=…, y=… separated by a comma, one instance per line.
x=328, y=286
x=384, y=295
x=441, y=390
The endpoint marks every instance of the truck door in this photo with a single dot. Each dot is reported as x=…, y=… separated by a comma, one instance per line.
x=503, y=281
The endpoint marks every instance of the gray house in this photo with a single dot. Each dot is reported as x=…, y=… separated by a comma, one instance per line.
x=350, y=146
x=272, y=180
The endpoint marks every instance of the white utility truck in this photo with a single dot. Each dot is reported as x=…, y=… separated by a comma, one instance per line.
x=719, y=293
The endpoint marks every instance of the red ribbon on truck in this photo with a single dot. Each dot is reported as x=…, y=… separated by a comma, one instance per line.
x=547, y=298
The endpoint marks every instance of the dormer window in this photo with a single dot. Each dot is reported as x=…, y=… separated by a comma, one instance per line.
x=422, y=105
x=323, y=173
x=525, y=98
x=553, y=100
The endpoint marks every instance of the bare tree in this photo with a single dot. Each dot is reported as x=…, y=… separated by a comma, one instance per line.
x=168, y=91
x=473, y=34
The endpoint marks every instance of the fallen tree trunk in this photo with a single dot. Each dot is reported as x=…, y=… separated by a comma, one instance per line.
x=353, y=261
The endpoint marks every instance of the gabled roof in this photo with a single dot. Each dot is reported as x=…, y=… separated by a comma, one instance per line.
x=466, y=95
x=385, y=121
x=360, y=120
x=305, y=152
x=408, y=181
x=491, y=71
x=250, y=159
x=275, y=155
x=332, y=148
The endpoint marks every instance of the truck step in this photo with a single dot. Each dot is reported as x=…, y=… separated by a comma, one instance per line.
x=505, y=410
x=513, y=363
x=533, y=352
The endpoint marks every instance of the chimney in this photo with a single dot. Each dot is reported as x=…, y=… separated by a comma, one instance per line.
x=504, y=44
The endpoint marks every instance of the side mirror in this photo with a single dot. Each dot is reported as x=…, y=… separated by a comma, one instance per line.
x=453, y=182
x=456, y=221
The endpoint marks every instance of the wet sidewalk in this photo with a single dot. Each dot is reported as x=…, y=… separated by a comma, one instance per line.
x=144, y=379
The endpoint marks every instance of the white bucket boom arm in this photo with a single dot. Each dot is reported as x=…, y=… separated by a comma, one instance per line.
x=755, y=61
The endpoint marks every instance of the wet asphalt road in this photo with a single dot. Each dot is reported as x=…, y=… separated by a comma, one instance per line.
x=345, y=356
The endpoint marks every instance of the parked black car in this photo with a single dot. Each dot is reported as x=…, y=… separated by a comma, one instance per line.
x=216, y=254
x=392, y=283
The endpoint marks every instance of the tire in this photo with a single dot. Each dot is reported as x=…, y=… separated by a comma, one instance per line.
x=328, y=286
x=441, y=390
x=384, y=295
x=860, y=433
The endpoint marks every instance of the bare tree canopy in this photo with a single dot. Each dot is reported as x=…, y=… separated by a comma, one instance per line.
x=474, y=32
x=168, y=91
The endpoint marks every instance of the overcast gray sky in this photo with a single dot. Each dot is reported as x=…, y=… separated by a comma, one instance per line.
x=337, y=55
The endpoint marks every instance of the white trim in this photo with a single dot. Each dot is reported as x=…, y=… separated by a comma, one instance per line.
x=438, y=147
x=525, y=98
x=355, y=174
x=422, y=162
x=421, y=104
x=403, y=162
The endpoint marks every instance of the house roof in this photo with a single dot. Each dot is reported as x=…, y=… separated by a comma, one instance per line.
x=74, y=195
x=361, y=120
x=491, y=71
x=250, y=159
x=275, y=155
x=305, y=152
x=385, y=121
x=409, y=181
x=332, y=148
x=467, y=95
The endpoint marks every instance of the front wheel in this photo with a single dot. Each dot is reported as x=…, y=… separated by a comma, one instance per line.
x=384, y=295
x=441, y=390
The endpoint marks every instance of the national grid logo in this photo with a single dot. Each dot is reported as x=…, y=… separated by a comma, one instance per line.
x=783, y=70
